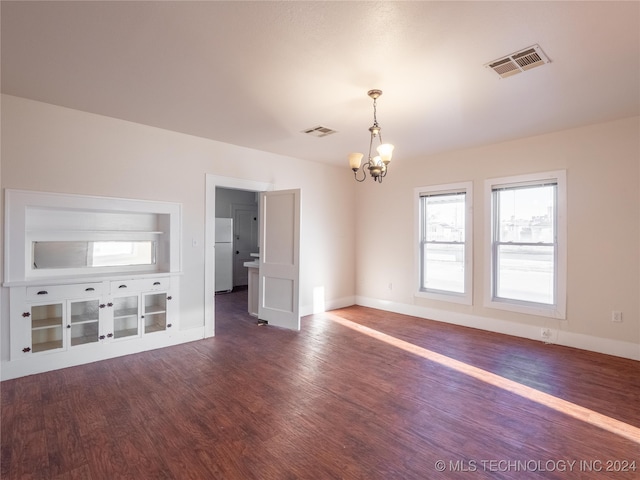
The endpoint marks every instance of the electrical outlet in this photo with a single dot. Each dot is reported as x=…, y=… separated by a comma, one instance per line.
x=545, y=333
x=616, y=316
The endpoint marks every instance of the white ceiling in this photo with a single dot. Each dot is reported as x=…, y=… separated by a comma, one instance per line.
x=258, y=73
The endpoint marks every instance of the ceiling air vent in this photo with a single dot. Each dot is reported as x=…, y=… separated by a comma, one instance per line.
x=518, y=62
x=319, y=131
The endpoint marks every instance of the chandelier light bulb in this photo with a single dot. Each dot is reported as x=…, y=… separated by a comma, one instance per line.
x=355, y=159
x=386, y=151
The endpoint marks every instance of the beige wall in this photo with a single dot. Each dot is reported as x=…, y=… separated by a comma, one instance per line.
x=53, y=149
x=49, y=148
x=602, y=164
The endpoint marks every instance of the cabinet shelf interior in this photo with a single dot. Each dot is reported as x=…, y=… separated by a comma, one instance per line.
x=44, y=323
x=83, y=340
x=125, y=312
x=80, y=319
x=44, y=346
x=126, y=332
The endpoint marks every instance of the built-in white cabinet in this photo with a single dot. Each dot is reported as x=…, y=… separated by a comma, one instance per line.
x=59, y=318
x=89, y=278
x=49, y=318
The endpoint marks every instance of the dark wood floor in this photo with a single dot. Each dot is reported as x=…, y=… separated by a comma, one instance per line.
x=329, y=402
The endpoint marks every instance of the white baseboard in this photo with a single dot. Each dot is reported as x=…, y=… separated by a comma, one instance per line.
x=46, y=362
x=325, y=306
x=559, y=337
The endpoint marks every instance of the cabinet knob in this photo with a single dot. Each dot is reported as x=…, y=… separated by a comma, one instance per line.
x=90, y=289
x=169, y=297
x=101, y=337
x=68, y=326
x=109, y=304
x=109, y=335
x=102, y=305
x=168, y=325
x=156, y=283
x=122, y=286
x=42, y=292
x=26, y=314
x=26, y=349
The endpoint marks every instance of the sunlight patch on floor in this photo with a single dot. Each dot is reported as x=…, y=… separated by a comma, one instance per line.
x=563, y=406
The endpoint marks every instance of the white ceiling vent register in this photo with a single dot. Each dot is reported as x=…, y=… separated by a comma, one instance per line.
x=319, y=131
x=518, y=62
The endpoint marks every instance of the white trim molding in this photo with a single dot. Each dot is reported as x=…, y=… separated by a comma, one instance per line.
x=606, y=346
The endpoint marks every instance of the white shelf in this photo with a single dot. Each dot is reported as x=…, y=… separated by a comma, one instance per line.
x=83, y=319
x=44, y=323
x=125, y=313
x=153, y=310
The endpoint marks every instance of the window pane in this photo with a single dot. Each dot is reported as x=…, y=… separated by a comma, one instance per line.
x=525, y=273
x=113, y=253
x=526, y=214
x=443, y=267
x=80, y=254
x=444, y=215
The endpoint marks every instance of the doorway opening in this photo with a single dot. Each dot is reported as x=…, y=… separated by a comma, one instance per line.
x=233, y=198
x=236, y=237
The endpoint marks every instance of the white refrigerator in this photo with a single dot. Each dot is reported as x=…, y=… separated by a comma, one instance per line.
x=224, y=255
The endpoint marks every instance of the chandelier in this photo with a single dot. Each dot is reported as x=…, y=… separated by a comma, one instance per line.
x=379, y=164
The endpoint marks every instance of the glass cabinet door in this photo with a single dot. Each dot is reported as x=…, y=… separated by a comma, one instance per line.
x=84, y=322
x=155, y=312
x=125, y=317
x=46, y=327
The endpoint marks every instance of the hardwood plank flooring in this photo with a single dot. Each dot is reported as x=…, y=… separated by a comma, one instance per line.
x=329, y=402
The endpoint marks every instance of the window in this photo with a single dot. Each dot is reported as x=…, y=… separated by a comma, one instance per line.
x=81, y=253
x=444, y=242
x=528, y=241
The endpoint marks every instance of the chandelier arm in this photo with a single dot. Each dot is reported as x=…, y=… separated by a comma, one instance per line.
x=355, y=175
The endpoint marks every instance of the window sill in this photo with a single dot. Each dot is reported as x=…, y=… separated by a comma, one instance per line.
x=552, y=311
x=460, y=298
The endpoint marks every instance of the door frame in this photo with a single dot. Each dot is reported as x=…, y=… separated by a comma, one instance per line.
x=211, y=182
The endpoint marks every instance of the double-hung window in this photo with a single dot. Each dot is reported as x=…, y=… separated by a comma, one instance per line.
x=527, y=238
x=444, y=242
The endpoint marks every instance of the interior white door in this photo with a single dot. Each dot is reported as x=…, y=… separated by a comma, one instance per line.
x=278, y=288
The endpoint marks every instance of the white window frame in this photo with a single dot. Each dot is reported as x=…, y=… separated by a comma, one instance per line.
x=558, y=309
x=465, y=298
